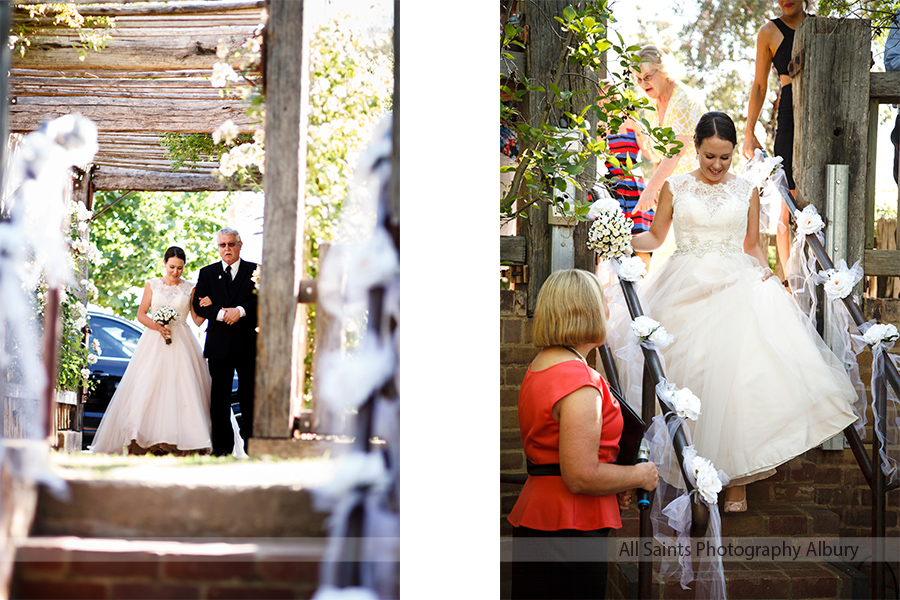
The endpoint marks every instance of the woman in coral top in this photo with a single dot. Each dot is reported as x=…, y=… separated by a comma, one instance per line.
x=570, y=426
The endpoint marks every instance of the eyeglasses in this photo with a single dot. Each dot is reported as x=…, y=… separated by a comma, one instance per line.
x=229, y=244
x=646, y=77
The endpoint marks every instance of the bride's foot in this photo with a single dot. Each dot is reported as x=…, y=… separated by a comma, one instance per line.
x=736, y=499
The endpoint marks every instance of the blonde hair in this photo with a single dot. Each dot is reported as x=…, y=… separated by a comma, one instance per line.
x=659, y=60
x=570, y=310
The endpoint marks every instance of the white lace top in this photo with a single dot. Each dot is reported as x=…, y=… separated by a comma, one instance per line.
x=176, y=296
x=709, y=218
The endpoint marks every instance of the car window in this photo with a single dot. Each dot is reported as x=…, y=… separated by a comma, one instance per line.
x=116, y=340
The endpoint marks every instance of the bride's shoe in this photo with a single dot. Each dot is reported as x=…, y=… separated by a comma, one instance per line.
x=734, y=501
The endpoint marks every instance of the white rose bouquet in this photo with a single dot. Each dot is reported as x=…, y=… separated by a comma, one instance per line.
x=683, y=401
x=610, y=234
x=164, y=316
x=839, y=281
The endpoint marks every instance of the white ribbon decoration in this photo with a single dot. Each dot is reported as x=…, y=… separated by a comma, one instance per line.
x=873, y=335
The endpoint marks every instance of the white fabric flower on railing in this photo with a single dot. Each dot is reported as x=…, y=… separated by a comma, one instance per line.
x=809, y=222
x=683, y=401
x=881, y=333
x=610, y=233
x=708, y=483
x=839, y=281
x=651, y=332
x=629, y=268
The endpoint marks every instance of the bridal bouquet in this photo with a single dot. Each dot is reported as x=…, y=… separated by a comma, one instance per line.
x=610, y=234
x=164, y=316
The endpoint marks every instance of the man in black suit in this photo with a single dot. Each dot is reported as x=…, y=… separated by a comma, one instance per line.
x=230, y=337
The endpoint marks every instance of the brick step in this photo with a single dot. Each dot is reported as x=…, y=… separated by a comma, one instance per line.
x=752, y=580
x=73, y=567
x=163, y=498
x=771, y=519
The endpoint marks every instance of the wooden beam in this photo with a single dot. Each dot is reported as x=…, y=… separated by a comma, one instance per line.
x=882, y=262
x=884, y=88
x=148, y=8
x=831, y=115
x=512, y=250
x=135, y=53
x=114, y=178
x=131, y=114
x=282, y=322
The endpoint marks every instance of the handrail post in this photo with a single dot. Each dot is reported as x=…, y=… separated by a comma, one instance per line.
x=878, y=489
x=645, y=565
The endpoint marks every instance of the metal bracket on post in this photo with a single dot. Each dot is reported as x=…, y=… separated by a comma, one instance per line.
x=837, y=198
x=562, y=234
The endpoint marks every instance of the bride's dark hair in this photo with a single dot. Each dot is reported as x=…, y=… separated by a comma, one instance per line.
x=715, y=124
x=176, y=252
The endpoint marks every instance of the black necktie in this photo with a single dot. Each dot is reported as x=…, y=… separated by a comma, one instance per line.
x=228, y=279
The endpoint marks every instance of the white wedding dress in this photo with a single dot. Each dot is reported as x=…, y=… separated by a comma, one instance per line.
x=162, y=401
x=770, y=389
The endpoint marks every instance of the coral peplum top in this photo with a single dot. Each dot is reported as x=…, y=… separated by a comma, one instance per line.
x=545, y=503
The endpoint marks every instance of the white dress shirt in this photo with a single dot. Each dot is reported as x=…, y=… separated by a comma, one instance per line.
x=234, y=270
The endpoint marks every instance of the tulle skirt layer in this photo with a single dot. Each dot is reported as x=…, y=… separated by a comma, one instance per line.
x=770, y=389
x=162, y=399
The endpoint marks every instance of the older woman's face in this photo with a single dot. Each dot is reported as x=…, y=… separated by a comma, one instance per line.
x=651, y=80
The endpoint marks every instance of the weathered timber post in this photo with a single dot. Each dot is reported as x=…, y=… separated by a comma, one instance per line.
x=543, y=51
x=282, y=322
x=831, y=116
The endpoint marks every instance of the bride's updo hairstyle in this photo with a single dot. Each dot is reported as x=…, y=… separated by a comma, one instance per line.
x=176, y=252
x=570, y=310
x=715, y=124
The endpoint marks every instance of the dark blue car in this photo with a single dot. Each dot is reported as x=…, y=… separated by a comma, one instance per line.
x=117, y=338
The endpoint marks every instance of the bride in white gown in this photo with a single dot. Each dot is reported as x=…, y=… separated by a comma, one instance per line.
x=770, y=389
x=161, y=405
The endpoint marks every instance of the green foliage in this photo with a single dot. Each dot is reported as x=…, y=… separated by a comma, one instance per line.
x=93, y=32
x=548, y=164
x=134, y=234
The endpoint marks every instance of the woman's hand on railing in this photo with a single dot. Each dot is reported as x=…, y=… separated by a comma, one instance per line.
x=648, y=476
x=624, y=499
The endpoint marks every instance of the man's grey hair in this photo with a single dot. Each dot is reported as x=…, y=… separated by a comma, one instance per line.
x=227, y=231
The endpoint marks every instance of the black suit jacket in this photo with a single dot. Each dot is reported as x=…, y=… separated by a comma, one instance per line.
x=223, y=340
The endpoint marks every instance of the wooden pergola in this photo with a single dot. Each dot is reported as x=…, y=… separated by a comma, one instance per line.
x=153, y=78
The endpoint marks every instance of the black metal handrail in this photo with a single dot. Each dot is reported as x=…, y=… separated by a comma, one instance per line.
x=654, y=371
x=891, y=374
x=874, y=474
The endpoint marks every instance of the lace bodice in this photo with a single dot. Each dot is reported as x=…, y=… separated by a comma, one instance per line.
x=176, y=296
x=709, y=218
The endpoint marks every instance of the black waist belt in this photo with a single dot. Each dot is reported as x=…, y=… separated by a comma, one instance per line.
x=539, y=470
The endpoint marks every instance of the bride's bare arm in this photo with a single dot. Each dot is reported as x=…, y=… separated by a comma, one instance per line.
x=145, y=319
x=198, y=320
x=659, y=228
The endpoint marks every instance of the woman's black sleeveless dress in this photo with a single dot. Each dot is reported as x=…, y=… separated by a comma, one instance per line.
x=784, y=133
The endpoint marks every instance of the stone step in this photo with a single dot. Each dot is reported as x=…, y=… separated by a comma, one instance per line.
x=182, y=498
x=73, y=567
x=752, y=580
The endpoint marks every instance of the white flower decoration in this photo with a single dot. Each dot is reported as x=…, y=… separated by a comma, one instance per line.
x=648, y=330
x=685, y=404
x=881, y=333
x=708, y=483
x=808, y=220
x=839, y=283
x=631, y=268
